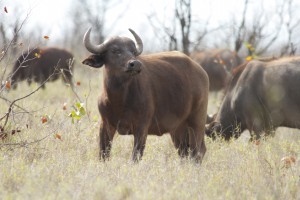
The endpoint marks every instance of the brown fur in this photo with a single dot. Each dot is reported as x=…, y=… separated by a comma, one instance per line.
x=40, y=63
x=165, y=92
x=218, y=64
x=262, y=96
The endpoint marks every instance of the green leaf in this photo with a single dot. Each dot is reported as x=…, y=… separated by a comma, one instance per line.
x=78, y=112
x=82, y=111
x=78, y=105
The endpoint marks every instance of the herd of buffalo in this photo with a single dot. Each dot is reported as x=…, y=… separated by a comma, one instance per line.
x=167, y=92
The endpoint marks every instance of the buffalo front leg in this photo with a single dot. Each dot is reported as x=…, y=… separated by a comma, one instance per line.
x=139, y=145
x=106, y=135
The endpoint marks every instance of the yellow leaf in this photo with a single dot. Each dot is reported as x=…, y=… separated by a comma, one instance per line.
x=249, y=58
x=37, y=55
x=248, y=45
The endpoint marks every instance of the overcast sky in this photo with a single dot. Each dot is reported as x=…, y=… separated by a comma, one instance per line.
x=53, y=15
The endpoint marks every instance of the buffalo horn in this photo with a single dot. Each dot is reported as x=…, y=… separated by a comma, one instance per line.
x=96, y=49
x=139, y=42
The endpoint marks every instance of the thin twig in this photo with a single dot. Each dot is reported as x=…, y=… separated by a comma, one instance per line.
x=73, y=90
x=86, y=101
x=26, y=111
x=25, y=143
x=71, y=62
x=6, y=116
x=11, y=42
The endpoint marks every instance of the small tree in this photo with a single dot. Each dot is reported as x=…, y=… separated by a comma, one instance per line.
x=255, y=32
x=291, y=25
x=85, y=14
x=183, y=13
x=183, y=19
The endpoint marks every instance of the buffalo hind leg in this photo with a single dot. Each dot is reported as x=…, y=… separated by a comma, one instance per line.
x=106, y=135
x=180, y=140
x=196, y=124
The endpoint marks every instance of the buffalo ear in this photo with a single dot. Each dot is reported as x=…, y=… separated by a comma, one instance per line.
x=94, y=61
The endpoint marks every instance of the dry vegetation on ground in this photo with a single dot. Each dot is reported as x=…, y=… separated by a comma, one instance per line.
x=67, y=167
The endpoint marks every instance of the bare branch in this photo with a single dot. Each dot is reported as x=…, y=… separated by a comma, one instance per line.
x=7, y=100
x=26, y=144
x=157, y=25
x=183, y=14
x=16, y=33
x=289, y=48
x=239, y=40
x=6, y=116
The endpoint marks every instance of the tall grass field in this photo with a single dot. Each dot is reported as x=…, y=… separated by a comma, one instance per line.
x=58, y=159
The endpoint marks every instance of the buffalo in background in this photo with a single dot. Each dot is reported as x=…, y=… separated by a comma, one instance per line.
x=218, y=64
x=154, y=94
x=263, y=95
x=39, y=64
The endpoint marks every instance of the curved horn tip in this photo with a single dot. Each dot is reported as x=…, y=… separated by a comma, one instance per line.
x=96, y=49
x=87, y=33
x=138, y=40
x=89, y=30
x=131, y=30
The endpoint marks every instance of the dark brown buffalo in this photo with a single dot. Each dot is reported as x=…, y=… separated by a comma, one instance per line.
x=40, y=63
x=149, y=94
x=262, y=96
x=218, y=64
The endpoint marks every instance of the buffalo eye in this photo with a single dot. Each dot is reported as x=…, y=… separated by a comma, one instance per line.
x=116, y=51
x=133, y=50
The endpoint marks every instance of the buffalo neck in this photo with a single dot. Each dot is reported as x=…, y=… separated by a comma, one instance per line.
x=117, y=85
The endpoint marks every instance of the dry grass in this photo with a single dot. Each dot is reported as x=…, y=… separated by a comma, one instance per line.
x=70, y=169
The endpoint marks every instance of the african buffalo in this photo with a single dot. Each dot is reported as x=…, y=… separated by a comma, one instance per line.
x=40, y=63
x=262, y=96
x=218, y=64
x=149, y=94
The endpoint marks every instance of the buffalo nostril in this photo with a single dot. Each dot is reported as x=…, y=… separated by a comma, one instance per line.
x=131, y=64
x=134, y=66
